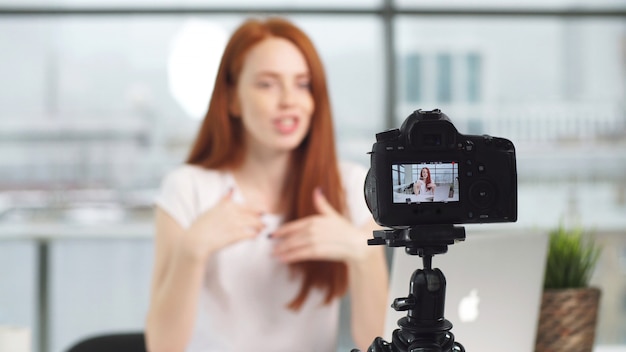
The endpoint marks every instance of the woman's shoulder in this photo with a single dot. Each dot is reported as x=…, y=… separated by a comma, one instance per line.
x=187, y=190
x=189, y=178
x=353, y=178
x=347, y=167
x=188, y=172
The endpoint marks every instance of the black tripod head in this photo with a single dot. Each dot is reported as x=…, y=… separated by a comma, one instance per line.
x=424, y=328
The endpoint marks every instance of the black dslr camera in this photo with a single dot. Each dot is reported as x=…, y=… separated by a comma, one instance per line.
x=428, y=173
x=424, y=179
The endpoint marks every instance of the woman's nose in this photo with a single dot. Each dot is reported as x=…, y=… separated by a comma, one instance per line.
x=287, y=96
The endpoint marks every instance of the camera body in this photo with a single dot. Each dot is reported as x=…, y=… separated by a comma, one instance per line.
x=427, y=173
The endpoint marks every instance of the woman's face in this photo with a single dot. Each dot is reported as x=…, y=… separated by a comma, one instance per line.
x=424, y=173
x=273, y=96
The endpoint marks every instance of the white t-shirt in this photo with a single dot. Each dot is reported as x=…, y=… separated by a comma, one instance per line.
x=245, y=291
x=422, y=186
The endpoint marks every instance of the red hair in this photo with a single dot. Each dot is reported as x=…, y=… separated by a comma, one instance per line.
x=428, y=181
x=219, y=145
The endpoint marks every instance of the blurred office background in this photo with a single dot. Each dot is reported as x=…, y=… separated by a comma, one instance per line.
x=98, y=99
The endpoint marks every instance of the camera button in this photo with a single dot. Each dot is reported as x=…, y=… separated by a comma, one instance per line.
x=482, y=194
x=481, y=168
x=470, y=173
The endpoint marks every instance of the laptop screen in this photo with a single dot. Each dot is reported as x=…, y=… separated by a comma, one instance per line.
x=493, y=288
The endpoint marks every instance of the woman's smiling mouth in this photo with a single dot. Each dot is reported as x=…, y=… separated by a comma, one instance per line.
x=286, y=125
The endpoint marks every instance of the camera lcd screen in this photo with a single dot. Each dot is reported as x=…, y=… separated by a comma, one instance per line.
x=425, y=182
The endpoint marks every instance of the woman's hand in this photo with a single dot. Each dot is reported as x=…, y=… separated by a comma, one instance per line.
x=224, y=224
x=325, y=236
x=330, y=236
x=417, y=187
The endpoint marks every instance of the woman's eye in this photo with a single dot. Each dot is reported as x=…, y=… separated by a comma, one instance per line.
x=265, y=84
x=304, y=85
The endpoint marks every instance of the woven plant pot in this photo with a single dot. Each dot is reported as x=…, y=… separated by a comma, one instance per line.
x=567, y=321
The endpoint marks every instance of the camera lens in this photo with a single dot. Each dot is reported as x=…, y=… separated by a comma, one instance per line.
x=482, y=194
x=370, y=192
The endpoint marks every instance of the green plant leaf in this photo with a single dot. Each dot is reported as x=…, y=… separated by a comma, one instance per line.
x=572, y=257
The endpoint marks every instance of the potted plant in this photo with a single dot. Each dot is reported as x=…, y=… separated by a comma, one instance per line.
x=569, y=307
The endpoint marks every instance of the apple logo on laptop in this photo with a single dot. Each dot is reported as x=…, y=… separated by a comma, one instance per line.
x=468, y=307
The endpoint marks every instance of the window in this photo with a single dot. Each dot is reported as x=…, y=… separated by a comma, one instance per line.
x=413, y=78
x=444, y=78
x=474, y=77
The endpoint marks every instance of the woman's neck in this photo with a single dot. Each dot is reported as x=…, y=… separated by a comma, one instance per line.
x=261, y=178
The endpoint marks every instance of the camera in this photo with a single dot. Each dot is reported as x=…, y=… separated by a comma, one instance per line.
x=427, y=173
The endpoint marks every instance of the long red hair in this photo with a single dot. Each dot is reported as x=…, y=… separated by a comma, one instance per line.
x=428, y=180
x=219, y=145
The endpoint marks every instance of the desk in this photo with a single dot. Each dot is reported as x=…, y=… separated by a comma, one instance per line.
x=74, y=266
x=418, y=198
x=412, y=198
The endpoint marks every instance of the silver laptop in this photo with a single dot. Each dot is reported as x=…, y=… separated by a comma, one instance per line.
x=442, y=193
x=494, y=285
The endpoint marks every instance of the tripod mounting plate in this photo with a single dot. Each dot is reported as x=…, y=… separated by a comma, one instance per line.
x=420, y=240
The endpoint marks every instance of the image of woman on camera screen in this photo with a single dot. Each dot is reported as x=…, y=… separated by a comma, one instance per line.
x=262, y=231
x=424, y=185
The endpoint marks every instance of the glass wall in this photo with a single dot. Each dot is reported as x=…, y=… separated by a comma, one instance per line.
x=111, y=101
x=233, y=5
x=540, y=82
x=555, y=86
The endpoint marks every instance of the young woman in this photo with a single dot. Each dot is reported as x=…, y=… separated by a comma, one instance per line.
x=424, y=185
x=263, y=230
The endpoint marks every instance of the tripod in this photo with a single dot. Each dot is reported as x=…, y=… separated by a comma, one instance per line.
x=423, y=329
